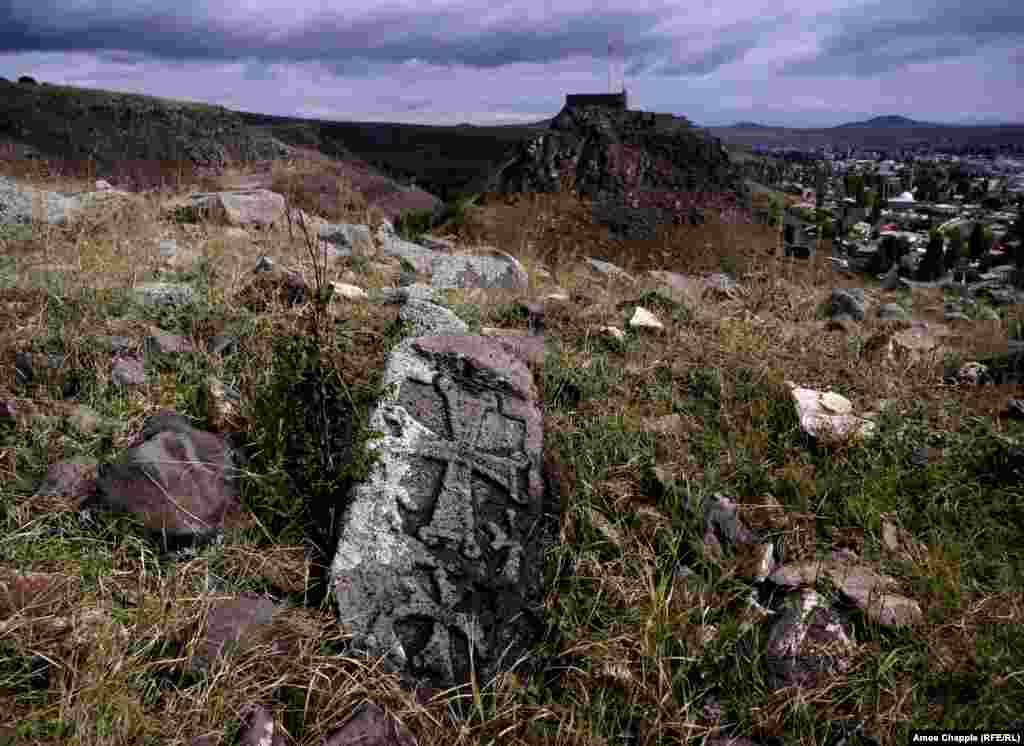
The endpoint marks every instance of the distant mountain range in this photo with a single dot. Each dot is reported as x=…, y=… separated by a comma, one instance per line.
x=889, y=121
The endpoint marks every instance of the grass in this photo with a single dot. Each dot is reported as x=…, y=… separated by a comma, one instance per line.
x=651, y=635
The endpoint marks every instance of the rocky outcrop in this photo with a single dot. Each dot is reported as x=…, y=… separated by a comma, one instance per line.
x=652, y=164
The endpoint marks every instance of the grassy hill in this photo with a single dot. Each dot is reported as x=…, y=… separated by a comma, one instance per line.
x=653, y=632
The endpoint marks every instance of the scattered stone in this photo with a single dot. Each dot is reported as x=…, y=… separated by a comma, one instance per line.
x=260, y=207
x=971, y=374
x=178, y=481
x=891, y=281
x=644, y=319
x=222, y=344
x=472, y=271
x=128, y=371
x=347, y=238
x=721, y=286
x=892, y=312
x=29, y=592
x=557, y=297
x=165, y=294
x=348, y=292
x=233, y=625
x=371, y=726
x=68, y=479
x=609, y=270
x=424, y=317
x=866, y=588
x=806, y=642
x=847, y=302
x=828, y=414
x=258, y=728
x=167, y=344
x=434, y=552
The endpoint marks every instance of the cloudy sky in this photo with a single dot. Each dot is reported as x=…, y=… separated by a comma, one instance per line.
x=806, y=63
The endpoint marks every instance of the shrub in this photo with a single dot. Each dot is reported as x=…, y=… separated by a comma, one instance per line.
x=412, y=224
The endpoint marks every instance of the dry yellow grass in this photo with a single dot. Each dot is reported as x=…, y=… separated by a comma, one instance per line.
x=629, y=630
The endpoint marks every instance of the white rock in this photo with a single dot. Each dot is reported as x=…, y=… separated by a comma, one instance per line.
x=828, y=412
x=349, y=292
x=644, y=319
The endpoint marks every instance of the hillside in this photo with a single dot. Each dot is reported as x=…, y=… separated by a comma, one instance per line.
x=728, y=569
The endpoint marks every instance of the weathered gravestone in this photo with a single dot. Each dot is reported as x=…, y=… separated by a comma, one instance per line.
x=439, y=565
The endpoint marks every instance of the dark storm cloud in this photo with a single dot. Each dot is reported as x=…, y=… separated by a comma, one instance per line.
x=870, y=40
x=436, y=36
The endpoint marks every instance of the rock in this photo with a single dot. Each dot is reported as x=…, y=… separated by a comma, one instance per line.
x=443, y=546
x=371, y=726
x=870, y=591
x=165, y=294
x=676, y=282
x=348, y=292
x=720, y=286
x=424, y=317
x=222, y=344
x=178, y=481
x=640, y=169
x=558, y=297
x=972, y=374
x=807, y=641
x=128, y=371
x=415, y=291
x=721, y=524
x=892, y=312
x=472, y=271
x=242, y=207
x=68, y=479
x=847, y=302
x=644, y=319
x=234, y=625
x=828, y=414
x=609, y=270
x=29, y=593
x=258, y=728
x=347, y=238
x=891, y=281
x=167, y=344
x=102, y=185
x=1015, y=408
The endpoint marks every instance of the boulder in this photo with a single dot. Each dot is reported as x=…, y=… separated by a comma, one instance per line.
x=440, y=556
x=242, y=207
x=179, y=482
x=846, y=302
